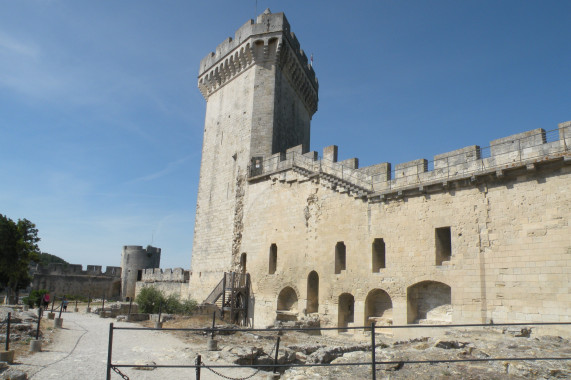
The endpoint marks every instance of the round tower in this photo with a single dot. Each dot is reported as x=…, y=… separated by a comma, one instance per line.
x=134, y=259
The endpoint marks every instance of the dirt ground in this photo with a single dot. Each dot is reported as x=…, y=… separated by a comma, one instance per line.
x=79, y=351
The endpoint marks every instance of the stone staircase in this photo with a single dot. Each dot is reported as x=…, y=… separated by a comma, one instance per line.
x=334, y=182
x=231, y=295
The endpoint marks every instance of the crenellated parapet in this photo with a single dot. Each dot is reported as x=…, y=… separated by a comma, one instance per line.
x=165, y=275
x=523, y=151
x=266, y=42
x=54, y=269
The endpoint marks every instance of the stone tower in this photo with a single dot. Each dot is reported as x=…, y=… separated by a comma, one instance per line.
x=134, y=259
x=261, y=94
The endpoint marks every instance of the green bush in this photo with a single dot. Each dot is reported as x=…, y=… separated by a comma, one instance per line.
x=150, y=299
x=34, y=298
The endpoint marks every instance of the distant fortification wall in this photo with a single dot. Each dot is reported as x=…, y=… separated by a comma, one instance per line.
x=169, y=281
x=62, y=279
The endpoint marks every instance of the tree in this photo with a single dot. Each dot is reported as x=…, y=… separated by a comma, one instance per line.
x=18, y=248
x=46, y=258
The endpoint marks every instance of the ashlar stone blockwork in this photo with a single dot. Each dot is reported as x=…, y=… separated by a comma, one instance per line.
x=475, y=235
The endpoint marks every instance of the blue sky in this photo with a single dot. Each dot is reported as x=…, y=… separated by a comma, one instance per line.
x=101, y=120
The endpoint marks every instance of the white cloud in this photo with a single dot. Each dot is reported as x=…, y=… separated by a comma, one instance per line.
x=10, y=45
x=169, y=168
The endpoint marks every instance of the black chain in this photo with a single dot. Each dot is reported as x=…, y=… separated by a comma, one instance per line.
x=237, y=378
x=125, y=377
x=228, y=377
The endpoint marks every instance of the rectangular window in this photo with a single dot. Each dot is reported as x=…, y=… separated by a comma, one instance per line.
x=340, y=263
x=443, y=241
x=273, y=259
x=378, y=253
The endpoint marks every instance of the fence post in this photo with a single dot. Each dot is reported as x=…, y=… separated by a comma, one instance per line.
x=130, y=304
x=8, y=332
x=102, y=313
x=109, y=351
x=213, y=323
x=53, y=303
x=39, y=320
x=160, y=310
x=197, y=368
x=276, y=356
x=61, y=307
x=373, y=363
x=223, y=293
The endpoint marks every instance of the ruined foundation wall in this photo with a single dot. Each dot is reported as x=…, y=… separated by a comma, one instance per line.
x=510, y=244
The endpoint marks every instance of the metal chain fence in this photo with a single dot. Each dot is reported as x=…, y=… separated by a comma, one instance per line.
x=373, y=363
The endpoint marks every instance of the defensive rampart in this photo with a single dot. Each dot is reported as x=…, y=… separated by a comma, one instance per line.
x=378, y=182
x=71, y=279
x=169, y=281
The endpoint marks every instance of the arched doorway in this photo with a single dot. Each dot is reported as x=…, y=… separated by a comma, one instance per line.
x=346, y=311
x=312, y=292
x=378, y=308
x=429, y=302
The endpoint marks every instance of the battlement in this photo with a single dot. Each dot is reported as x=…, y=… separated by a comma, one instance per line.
x=165, y=275
x=76, y=269
x=268, y=40
x=523, y=150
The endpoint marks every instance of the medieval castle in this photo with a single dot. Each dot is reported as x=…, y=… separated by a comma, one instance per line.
x=475, y=235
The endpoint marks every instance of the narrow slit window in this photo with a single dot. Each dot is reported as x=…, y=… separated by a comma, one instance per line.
x=443, y=239
x=378, y=253
x=340, y=257
x=273, y=259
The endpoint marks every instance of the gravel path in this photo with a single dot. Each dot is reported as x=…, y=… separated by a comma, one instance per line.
x=79, y=351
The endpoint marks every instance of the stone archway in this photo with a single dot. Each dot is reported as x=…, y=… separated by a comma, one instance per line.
x=429, y=302
x=287, y=305
x=346, y=311
x=312, y=292
x=378, y=308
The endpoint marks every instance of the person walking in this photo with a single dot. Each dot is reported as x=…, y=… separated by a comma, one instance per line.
x=45, y=300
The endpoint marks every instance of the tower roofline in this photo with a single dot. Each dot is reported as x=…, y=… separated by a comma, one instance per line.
x=266, y=25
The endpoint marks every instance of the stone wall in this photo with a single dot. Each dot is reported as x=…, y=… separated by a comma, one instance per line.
x=135, y=259
x=473, y=235
x=510, y=248
x=62, y=279
x=169, y=281
x=261, y=94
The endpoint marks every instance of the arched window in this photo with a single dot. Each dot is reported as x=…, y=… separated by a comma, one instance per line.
x=243, y=259
x=378, y=308
x=287, y=300
x=340, y=263
x=273, y=259
x=378, y=255
x=312, y=292
x=346, y=311
x=429, y=302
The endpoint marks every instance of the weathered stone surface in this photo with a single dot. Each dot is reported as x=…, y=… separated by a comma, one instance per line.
x=468, y=240
x=13, y=374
